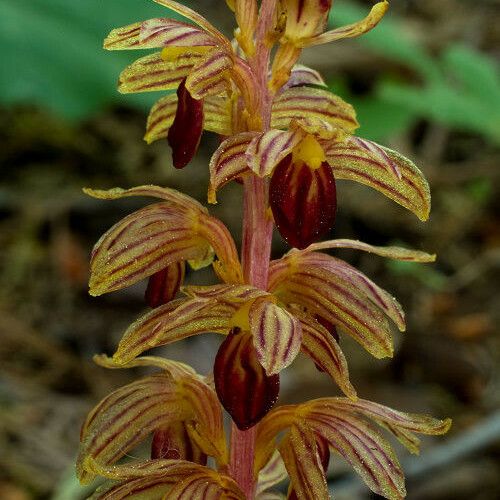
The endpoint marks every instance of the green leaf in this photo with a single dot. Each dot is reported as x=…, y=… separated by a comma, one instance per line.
x=475, y=72
x=390, y=38
x=52, y=50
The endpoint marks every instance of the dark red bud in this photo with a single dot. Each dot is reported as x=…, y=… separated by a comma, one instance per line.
x=185, y=133
x=303, y=201
x=174, y=443
x=243, y=387
x=164, y=285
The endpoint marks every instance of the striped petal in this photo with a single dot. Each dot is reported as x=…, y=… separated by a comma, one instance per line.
x=229, y=162
x=218, y=115
x=379, y=297
x=157, y=236
x=173, y=479
x=243, y=387
x=303, y=463
x=209, y=76
x=143, y=488
x=175, y=369
x=164, y=32
x=160, y=118
x=152, y=73
x=246, y=16
x=206, y=487
x=396, y=253
x=352, y=30
x=277, y=335
x=174, y=321
x=379, y=152
x=303, y=75
x=337, y=422
x=304, y=102
x=266, y=150
x=128, y=415
x=143, y=244
x=385, y=170
x=336, y=419
x=321, y=347
x=227, y=293
x=204, y=424
x=173, y=470
x=172, y=196
x=155, y=33
x=402, y=425
x=272, y=474
x=125, y=418
x=364, y=448
x=334, y=299
x=195, y=17
x=164, y=285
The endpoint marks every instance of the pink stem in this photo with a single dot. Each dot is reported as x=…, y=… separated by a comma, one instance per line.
x=257, y=233
x=256, y=251
x=256, y=243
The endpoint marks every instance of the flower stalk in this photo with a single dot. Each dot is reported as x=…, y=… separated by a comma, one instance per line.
x=287, y=139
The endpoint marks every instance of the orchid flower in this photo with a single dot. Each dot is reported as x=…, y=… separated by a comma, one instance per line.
x=287, y=139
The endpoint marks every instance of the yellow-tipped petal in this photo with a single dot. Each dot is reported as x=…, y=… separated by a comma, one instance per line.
x=352, y=30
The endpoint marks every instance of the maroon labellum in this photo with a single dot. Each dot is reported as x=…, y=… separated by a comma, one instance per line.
x=185, y=133
x=243, y=387
x=303, y=201
x=174, y=443
x=164, y=285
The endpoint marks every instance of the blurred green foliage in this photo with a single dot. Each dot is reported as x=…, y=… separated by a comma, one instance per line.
x=53, y=56
x=460, y=88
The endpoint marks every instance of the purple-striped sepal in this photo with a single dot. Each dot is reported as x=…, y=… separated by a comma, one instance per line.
x=157, y=236
x=307, y=431
x=382, y=169
x=340, y=296
x=176, y=396
x=278, y=332
x=164, y=478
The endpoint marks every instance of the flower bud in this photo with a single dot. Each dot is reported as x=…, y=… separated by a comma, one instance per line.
x=306, y=18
